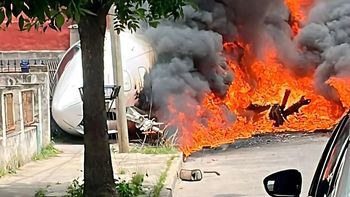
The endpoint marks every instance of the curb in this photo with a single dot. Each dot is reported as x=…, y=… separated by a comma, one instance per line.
x=172, y=177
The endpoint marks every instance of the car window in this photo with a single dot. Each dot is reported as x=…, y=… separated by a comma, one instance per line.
x=319, y=170
x=343, y=187
x=338, y=171
x=332, y=159
x=335, y=152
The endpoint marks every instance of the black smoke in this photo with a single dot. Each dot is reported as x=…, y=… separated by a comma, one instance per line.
x=191, y=61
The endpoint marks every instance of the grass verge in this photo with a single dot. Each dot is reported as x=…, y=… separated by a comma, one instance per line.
x=46, y=153
x=160, y=184
x=42, y=192
x=155, y=150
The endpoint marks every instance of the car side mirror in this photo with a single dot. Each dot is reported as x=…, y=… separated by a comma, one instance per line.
x=190, y=175
x=285, y=183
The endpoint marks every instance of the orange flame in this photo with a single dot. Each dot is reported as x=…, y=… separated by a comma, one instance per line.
x=298, y=10
x=264, y=84
x=343, y=87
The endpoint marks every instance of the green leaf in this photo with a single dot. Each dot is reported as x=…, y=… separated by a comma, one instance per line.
x=21, y=23
x=153, y=24
x=76, y=16
x=37, y=25
x=59, y=20
x=2, y=16
x=9, y=17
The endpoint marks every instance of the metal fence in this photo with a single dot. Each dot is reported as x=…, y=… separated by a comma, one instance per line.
x=37, y=65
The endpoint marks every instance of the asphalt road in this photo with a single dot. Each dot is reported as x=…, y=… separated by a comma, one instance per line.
x=244, y=164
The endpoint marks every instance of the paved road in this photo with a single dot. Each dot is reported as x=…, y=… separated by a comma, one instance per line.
x=244, y=165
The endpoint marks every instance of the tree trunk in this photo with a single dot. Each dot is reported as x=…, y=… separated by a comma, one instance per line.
x=98, y=172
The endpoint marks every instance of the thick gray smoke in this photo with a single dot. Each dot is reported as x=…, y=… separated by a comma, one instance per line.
x=326, y=41
x=191, y=61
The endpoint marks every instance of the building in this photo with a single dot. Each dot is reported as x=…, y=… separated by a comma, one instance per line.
x=25, y=117
x=25, y=96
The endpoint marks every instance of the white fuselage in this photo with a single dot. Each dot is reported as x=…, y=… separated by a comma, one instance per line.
x=67, y=105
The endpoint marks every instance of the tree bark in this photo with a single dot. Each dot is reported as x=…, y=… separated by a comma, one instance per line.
x=98, y=172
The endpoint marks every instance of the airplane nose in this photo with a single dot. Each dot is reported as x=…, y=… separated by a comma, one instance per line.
x=67, y=112
x=67, y=106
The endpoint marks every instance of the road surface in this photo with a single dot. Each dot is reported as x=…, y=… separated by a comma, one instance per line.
x=243, y=165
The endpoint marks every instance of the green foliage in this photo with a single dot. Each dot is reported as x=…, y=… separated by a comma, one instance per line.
x=42, y=192
x=155, y=150
x=46, y=153
x=2, y=172
x=76, y=189
x=121, y=171
x=11, y=167
x=54, y=13
x=132, y=188
x=160, y=184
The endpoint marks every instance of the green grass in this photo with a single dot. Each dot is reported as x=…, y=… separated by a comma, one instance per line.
x=76, y=189
x=2, y=172
x=11, y=167
x=121, y=171
x=160, y=184
x=42, y=192
x=46, y=153
x=155, y=150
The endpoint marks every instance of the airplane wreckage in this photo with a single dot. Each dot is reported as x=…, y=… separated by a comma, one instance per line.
x=67, y=105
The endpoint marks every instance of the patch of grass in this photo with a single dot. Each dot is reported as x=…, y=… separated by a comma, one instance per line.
x=12, y=170
x=46, y=153
x=160, y=184
x=3, y=172
x=121, y=171
x=11, y=167
x=133, y=188
x=42, y=192
x=155, y=150
x=7, y=170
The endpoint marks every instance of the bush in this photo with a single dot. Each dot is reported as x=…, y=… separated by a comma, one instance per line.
x=132, y=188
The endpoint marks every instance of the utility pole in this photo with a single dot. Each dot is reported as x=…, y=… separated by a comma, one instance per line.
x=123, y=135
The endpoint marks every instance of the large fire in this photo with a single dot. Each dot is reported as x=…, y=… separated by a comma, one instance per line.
x=261, y=83
x=261, y=89
x=298, y=10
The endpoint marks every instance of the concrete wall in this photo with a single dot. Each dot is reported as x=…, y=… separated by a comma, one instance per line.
x=18, y=146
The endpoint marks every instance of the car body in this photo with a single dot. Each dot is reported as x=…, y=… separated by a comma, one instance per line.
x=332, y=175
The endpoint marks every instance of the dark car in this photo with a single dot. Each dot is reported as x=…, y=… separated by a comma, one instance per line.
x=332, y=176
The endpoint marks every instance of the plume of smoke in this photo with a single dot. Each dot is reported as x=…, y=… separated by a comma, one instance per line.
x=191, y=62
x=326, y=40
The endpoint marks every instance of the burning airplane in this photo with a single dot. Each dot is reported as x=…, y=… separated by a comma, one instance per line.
x=67, y=105
x=233, y=69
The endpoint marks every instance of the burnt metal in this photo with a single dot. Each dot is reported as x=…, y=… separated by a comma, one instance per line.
x=279, y=114
x=258, y=108
x=296, y=106
x=285, y=99
x=276, y=114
